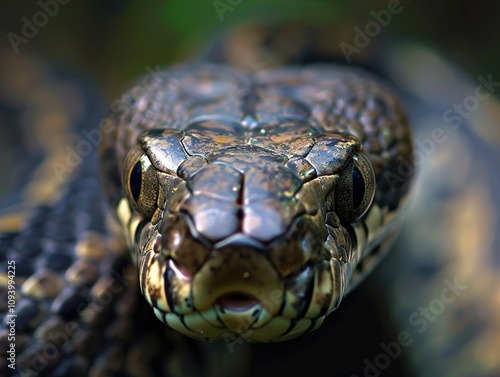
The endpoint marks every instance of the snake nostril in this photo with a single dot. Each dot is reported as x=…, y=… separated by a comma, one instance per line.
x=237, y=301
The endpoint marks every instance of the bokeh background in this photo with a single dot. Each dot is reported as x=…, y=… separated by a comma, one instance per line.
x=432, y=50
x=113, y=41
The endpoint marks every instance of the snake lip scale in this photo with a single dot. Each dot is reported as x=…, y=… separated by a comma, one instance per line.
x=251, y=203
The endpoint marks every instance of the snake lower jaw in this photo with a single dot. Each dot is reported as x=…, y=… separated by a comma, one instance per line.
x=228, y=298
x=239, y=291
x=297, y=309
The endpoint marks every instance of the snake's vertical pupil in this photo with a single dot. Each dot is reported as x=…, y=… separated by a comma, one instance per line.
x=135, y=182
x=358, y=187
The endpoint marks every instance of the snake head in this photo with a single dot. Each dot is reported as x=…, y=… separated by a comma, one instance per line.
x=247, y=201
x=244, y=238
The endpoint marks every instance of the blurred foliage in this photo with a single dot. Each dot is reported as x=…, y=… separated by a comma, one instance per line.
x=115, y=40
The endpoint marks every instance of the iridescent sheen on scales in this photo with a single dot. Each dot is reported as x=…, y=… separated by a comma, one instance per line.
x=254, y=202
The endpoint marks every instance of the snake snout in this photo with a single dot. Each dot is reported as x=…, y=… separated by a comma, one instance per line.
x=236, y=278
x=240, y=285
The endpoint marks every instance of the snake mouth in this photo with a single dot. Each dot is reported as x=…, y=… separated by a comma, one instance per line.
x=237, y=289
x=238, y=293
x=237, y=302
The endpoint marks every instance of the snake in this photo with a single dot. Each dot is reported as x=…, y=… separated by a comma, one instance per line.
x=241, y=205
x=252, y=203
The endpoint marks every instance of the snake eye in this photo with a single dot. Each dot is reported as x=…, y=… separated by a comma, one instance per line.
x=135, y=181
x=140, y=182
x=355, y=189
x=358, y=187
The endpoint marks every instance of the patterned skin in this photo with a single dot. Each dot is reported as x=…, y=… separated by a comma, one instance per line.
x=253, y=203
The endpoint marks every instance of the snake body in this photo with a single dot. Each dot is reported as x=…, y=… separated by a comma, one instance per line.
x=257, y=201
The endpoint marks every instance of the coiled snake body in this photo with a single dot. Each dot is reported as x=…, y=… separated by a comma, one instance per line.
x=251, y=203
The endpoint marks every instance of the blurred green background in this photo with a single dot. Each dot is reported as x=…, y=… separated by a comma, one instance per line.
x=114, y=41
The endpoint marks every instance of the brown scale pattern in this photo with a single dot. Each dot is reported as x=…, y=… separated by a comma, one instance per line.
x=79, y=310
x=327, y=98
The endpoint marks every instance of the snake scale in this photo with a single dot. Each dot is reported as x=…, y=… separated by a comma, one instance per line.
x=250, y=204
